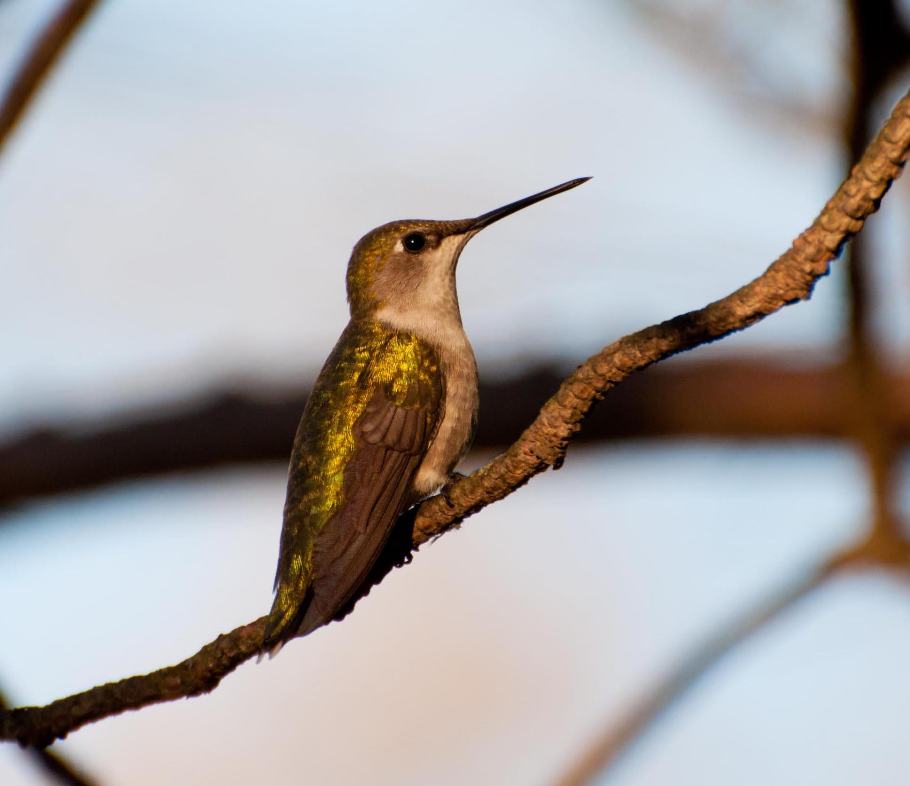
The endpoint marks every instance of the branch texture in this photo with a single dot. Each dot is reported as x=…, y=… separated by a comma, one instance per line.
x=543, y=444
x=55, y=766
x=200, y=673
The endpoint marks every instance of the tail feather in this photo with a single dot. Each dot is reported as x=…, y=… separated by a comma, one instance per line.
x=284, y=620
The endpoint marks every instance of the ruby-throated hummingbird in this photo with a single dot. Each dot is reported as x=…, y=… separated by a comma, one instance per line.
x=391, y=414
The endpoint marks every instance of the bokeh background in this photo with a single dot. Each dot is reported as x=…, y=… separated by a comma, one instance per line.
x=176, y=212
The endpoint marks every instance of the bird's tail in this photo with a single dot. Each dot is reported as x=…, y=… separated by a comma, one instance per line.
x=284, y=619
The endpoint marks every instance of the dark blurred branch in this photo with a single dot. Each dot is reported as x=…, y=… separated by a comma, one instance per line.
x=38, y=62
x=880, y=50
x=722, y=398
x=621, y=736
x=871, y=417
x=542, y=445
x=54, y=764
x=704, y=35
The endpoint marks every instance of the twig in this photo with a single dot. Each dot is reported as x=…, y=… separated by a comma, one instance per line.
x=705, y=36
x=39, y=60
x=607, y=751
x=54, y=764
x=789, y=279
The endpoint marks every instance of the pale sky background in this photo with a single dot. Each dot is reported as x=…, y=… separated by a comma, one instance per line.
x=177, y=212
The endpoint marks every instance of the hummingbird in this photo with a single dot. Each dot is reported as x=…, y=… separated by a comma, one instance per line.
x=392, y=412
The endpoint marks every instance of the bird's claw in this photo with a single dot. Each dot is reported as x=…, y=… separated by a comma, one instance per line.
x=444, y=491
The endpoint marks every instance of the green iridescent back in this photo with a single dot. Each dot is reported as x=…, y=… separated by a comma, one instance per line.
x=367, y=355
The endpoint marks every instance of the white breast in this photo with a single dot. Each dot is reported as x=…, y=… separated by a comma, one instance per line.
x=460, y=404
x=459, y=413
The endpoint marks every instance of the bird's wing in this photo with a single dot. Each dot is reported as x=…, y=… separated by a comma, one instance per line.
x=397, y=403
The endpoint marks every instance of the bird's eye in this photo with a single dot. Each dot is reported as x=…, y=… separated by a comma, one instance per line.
x=415, y=242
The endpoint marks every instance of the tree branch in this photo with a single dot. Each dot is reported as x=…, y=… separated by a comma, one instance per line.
x=39, y=61
x=879, y=50
x=606, y=752
x=789, y=279
x=728, y=398
x=55, y=765
x=200, y=673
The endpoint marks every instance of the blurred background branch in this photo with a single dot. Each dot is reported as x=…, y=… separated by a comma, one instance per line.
x=756, y=398
x=597, y=761
x=730, y=43
x=38, y=62
x=880, y=50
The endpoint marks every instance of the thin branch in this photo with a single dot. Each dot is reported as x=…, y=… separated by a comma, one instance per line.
x=705, y=35
x=38, y=62
x=607, y=751
x=728, y=398
x=788, y=280
x=198, y=674
x=54, y=764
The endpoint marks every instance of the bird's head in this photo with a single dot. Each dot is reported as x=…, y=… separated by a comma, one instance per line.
x=405, y=270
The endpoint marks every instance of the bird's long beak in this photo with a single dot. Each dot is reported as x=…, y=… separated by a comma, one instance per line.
x=474, y=225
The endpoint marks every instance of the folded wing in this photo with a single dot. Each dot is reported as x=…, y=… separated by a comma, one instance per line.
x=402, y=394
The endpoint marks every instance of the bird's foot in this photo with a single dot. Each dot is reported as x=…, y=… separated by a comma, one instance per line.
x=444, y=491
